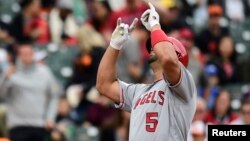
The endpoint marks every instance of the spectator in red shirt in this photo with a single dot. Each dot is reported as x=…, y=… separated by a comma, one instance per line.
x=133, y=8
x=100, y=11
x=23, y=27
x=221, y=113
x=41, y=22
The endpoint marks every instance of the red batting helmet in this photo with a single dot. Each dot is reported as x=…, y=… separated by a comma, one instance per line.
x=179, y=48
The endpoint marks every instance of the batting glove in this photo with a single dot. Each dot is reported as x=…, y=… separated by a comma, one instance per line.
x=150, y=18
x=121, y=34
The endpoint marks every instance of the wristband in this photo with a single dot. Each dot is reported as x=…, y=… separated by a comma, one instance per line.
x=115, y=46
x=158, y=36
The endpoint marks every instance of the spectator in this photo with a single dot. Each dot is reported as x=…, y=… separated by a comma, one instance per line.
x=64, y=121
x=171, y=20
x=244, y=118
x=189, y=7
x=62, y=23
x=201, y=110
x=200, y=15
x=77, y=98
x=48, y=5
x=101, y=113
x=86, y=64
x=118, y=129
x=209, y=38
x=196, y=58
x=42, y=23
x=226, y=61
x=197, y=132
x=221, y=112
x=212, y=89
x=235, y=10
x=23, y=26
x=56, y=135
x=63, y=110
x=133, y=8
x=31, y=94
x=100, y=11
x=110, y=121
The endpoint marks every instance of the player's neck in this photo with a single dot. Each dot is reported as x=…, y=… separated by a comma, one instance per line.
x=157, y=69
x=158, y=75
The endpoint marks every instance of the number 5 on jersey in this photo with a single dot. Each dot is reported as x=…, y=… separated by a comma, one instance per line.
x=151, y=121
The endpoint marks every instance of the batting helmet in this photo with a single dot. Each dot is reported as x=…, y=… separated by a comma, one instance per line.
x=179, y=48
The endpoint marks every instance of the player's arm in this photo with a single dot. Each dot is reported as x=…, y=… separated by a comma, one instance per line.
x=163, y=49
x=107, y=83
x=168, y=58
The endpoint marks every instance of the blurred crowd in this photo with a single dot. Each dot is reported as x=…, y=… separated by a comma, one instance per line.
x=50, y=51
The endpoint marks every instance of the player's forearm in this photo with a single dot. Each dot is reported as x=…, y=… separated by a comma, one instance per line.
x=106, y=72
x=165, y=52
x=167, y=56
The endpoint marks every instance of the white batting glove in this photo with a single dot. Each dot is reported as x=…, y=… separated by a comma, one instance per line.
x=121, y=33
x=150, y=18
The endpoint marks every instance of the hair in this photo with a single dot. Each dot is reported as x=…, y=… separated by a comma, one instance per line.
x=245, y=102
x=48, y=3
x=96, y=23
x=25, y=3
x=106, y=5
x=23, y=44
x=229, y=110
x=233, y=56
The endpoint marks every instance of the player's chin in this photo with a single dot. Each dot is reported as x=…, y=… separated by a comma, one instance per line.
x=152, y=58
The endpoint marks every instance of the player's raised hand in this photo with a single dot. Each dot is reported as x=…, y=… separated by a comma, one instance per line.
x=133, y=25
x=121, y=33
x=150, y=17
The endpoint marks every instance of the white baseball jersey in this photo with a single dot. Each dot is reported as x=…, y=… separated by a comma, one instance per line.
x=159, y=112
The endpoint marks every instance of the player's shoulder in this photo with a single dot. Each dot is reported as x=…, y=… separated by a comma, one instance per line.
x=131, y=84
x=156, y=83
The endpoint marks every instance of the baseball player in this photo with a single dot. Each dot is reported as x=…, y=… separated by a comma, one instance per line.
x=163, y=110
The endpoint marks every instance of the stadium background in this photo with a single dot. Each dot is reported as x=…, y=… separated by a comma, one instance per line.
x=216, y=34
